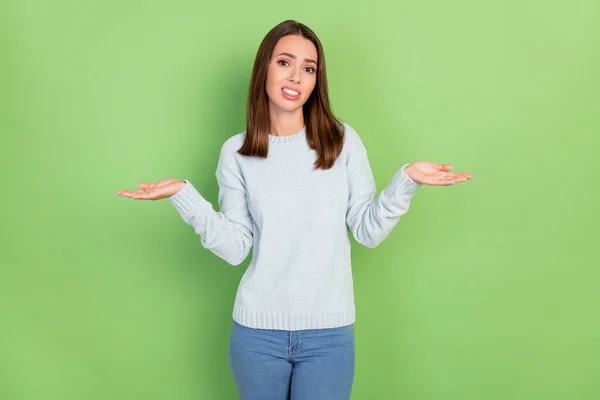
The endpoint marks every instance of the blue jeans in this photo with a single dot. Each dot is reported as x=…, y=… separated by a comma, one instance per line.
x=312, y=364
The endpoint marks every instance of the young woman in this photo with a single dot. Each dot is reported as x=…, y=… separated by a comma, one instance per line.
x=290, y=187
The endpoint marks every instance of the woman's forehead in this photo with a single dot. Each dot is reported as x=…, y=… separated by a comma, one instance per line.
x=296, y=46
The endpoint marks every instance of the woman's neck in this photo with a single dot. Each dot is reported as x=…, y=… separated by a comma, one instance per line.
x=286, y=124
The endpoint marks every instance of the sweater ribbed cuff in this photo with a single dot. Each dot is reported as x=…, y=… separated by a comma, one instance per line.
x=188, y=200
x=402, y=183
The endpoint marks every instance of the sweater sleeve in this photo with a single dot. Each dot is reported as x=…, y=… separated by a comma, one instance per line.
x=372, y=218
x=227, y=232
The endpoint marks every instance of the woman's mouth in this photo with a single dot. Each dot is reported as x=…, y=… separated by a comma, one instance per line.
x=290, y=94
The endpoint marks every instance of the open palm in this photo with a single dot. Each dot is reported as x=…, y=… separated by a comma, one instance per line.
x=154, y=191
x=429, y=173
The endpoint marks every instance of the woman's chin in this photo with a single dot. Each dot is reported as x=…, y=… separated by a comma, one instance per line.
x=287, y=108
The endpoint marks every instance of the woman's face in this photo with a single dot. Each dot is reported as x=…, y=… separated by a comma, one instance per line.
x=292, y=73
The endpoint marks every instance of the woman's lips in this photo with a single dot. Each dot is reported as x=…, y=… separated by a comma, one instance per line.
x=289, y=96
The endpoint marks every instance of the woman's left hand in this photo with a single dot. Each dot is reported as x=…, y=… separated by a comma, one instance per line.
x=428, y=173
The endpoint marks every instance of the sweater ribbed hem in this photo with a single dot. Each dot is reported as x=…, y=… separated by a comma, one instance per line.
x=292, y=322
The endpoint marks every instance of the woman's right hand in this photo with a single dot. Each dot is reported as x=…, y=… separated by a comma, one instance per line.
x=154, y=191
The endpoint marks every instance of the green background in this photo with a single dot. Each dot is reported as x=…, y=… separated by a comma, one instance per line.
x=485, y=290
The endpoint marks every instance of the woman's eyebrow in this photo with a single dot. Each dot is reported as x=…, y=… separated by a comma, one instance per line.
x=294, y=57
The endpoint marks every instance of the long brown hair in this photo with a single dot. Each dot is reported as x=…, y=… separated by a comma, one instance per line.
x=324, y=132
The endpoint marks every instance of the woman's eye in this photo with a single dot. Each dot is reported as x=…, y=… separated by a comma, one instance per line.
x=312, y=70
x=283, y=61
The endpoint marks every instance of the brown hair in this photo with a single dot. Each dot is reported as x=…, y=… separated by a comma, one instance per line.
x=324, y=132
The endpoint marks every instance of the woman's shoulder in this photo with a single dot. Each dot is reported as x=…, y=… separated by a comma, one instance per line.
x=233, y=143
x=228, y=155
x=352, y=140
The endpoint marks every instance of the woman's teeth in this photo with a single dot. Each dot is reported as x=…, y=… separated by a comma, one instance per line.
x=288, y=91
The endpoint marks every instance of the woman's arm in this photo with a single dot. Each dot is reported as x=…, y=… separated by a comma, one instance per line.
x=228, y=232
x=372, y=218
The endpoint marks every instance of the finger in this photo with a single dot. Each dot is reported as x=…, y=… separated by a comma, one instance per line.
x=437, y=180
x=450, y=180
x=459, y=179
x=128, y=193
x=462, y=174
x=145, y=195
x=443, y=167
x=455, y=177
x=459, y=175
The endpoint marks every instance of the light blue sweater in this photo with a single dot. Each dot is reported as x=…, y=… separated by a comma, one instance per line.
x=296, y=220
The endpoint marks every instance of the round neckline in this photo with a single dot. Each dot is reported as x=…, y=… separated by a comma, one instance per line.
x=287, y=139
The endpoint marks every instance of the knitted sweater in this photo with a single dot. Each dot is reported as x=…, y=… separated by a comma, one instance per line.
x=297, y=220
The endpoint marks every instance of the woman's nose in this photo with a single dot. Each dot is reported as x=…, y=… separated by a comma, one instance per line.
x=294, y=77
